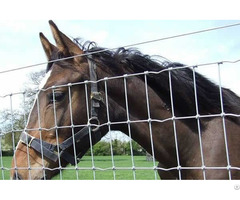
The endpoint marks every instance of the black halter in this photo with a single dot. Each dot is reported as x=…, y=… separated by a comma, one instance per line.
x=81, y=138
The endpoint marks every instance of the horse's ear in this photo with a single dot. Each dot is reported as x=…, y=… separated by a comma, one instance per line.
x=47, y=46
x=64, y=44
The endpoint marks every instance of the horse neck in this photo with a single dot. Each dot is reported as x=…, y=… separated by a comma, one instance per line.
x=142, y=105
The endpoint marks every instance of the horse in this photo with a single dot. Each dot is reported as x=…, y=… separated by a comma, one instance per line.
x=189, y=124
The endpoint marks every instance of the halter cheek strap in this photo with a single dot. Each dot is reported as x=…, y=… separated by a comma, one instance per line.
x=81, y=138
x=96, y=96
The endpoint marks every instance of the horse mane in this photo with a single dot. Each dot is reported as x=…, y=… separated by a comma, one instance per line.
x=122, y=61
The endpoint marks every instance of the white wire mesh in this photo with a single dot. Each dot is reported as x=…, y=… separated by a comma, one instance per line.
x=92, y=165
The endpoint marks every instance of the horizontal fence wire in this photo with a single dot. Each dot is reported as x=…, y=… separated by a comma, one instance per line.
x=126, y=46
x=126, y=76
x=80, y=170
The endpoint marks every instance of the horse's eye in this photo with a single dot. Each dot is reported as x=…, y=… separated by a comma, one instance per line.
x=57, y=97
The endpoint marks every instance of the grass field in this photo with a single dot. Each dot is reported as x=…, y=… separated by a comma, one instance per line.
x=103, y=165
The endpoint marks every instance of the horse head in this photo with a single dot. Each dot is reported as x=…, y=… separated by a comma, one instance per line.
x=62, y=124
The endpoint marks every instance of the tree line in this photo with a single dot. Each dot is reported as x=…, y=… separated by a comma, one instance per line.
x=117, y=147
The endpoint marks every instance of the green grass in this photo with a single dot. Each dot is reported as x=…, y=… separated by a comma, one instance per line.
x=5, y=162
x=104, y=171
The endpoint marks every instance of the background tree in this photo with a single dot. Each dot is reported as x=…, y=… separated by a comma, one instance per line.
x=12, y=122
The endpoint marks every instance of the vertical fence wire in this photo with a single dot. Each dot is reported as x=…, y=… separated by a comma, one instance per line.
x=1, y=156
x=40, y=131
x=13, y=140
x=109, y=127
x=56, y=132
x=174, y=123
x=129, y=125
x=72, y=128
x=89, y=126
x=198, y=122
x=223, y=121
x=25, y=124
x=150, y=123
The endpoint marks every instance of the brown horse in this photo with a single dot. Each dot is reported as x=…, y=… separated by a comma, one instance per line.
x=190, y=125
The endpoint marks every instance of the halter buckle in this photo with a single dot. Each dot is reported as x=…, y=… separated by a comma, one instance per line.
x=29, y=144
x=97, y=96
x=94, y=121
x=24, y=138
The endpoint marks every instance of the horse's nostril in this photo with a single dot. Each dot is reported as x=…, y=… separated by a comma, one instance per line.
x=17, y=176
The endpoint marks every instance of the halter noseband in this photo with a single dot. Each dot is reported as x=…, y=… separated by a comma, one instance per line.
x=81, y=138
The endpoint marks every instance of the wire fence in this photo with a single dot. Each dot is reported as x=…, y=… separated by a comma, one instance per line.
x=131, y=161
x=112, y=166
